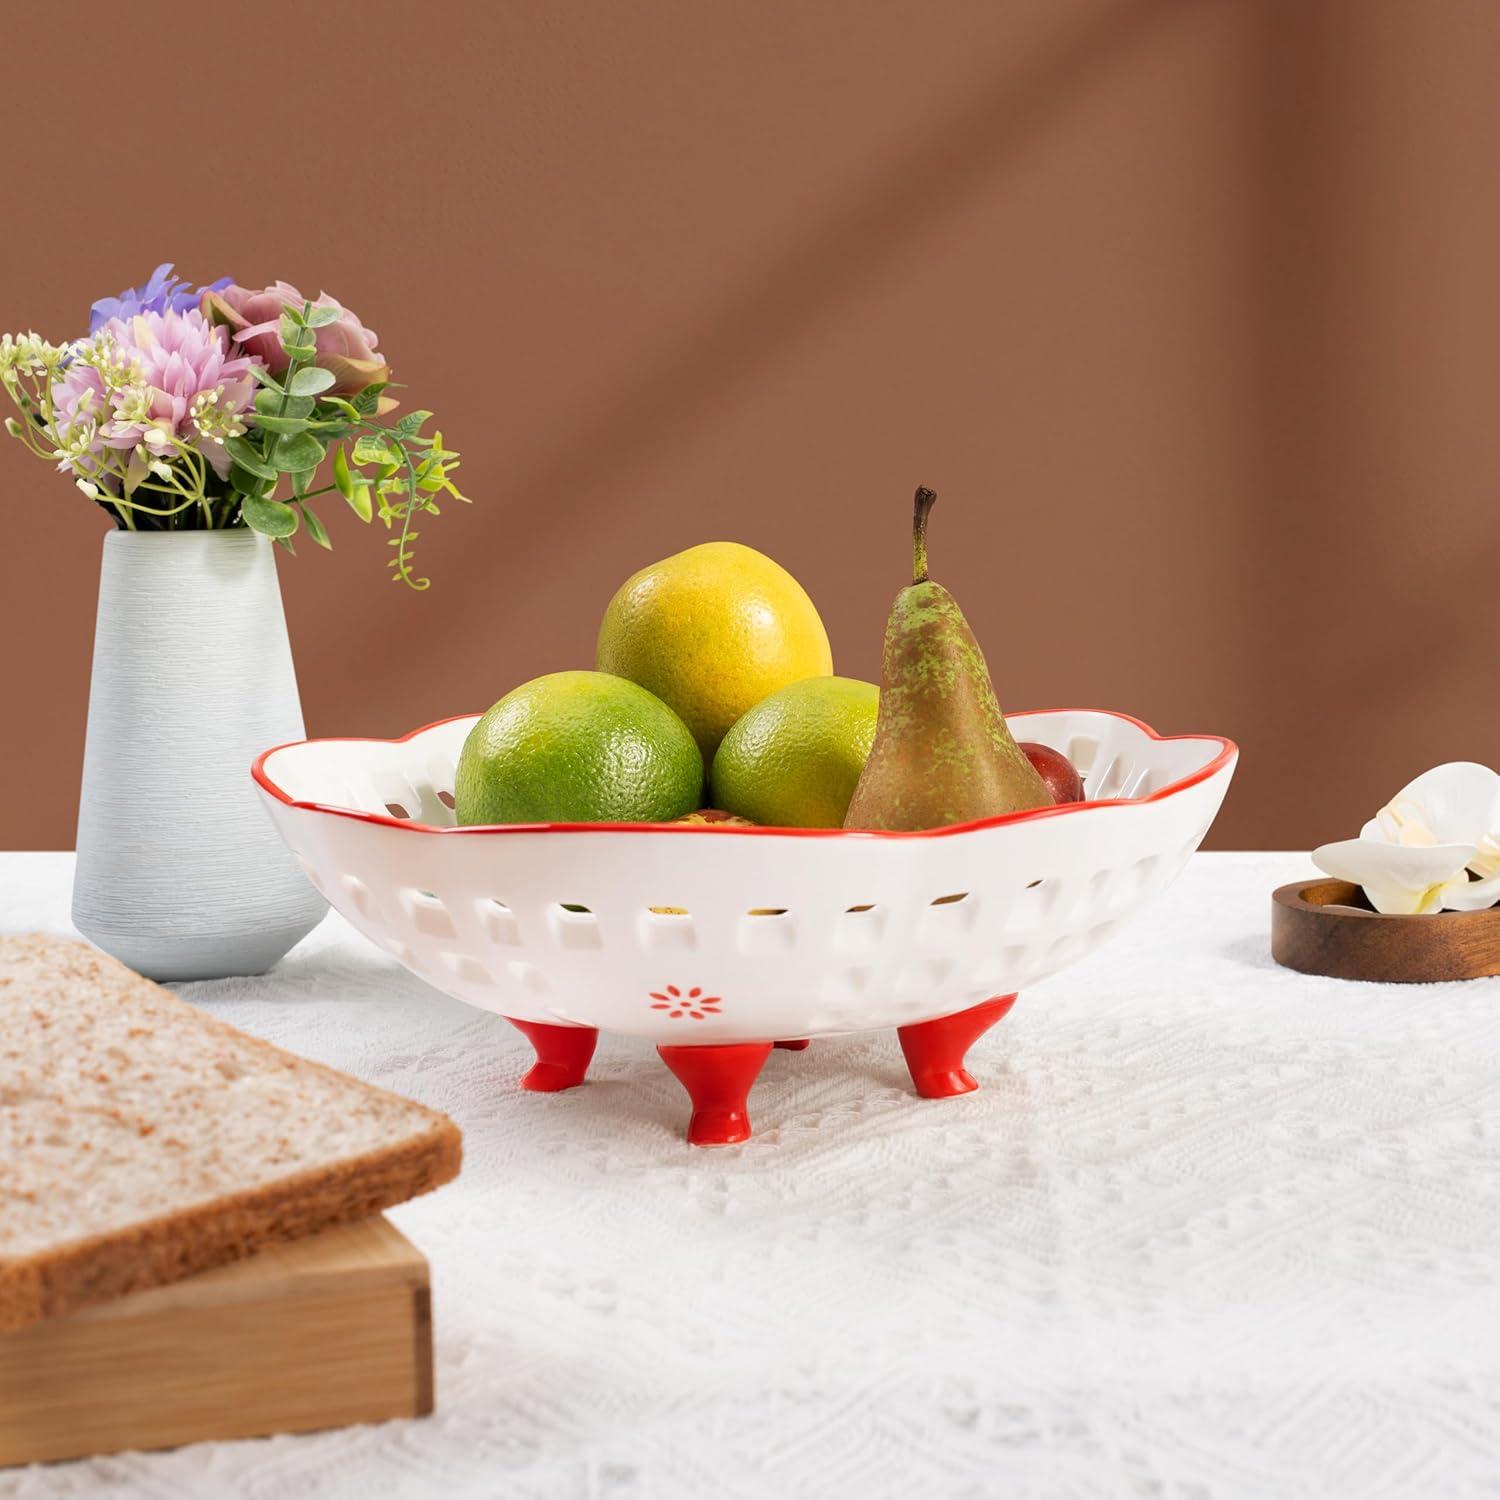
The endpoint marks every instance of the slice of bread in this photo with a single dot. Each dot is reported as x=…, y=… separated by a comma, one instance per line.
x=141, y=1140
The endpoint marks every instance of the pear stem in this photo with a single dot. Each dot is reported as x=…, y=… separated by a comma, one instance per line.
x=925, y=500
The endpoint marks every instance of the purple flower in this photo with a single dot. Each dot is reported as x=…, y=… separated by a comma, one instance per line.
x=164, y=292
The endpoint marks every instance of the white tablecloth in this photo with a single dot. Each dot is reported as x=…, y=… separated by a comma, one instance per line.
x=1209, y=1229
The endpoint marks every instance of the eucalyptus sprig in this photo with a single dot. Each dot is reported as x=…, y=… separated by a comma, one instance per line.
x=389, y=471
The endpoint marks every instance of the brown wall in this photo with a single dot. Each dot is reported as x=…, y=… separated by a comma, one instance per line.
x=1188, y=309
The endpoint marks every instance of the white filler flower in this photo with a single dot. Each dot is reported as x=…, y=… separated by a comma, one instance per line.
x=1434, y=847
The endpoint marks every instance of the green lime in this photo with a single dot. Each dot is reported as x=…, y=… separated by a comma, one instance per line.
x=793, y=760
x=578, y=747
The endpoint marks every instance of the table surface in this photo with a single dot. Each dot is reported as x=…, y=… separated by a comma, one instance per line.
x=1209, y=1229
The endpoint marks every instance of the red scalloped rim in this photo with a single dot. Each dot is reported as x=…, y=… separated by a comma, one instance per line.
x=1228, y=750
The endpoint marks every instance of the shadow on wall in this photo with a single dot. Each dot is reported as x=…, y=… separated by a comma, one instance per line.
x=1376, y=535
x=823, y=273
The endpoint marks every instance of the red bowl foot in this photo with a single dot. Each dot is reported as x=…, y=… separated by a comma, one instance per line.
x=935, y=1050
x=563, y=1054
x=718, y=1081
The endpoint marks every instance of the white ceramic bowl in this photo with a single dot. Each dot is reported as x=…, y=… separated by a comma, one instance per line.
x=700, y=936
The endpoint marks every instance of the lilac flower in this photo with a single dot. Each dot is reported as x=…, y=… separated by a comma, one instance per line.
x=164, y=292
x=151, y=385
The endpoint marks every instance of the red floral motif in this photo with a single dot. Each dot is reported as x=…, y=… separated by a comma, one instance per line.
x=695, y=1003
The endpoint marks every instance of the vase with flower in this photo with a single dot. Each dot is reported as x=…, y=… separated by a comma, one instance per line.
x=205, y=422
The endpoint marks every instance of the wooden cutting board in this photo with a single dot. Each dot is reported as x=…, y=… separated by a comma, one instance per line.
x=321, y=1332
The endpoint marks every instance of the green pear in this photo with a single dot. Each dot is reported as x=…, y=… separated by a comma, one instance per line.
x=943, y=752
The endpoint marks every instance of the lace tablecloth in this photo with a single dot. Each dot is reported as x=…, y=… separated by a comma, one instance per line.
x=1209, y=1229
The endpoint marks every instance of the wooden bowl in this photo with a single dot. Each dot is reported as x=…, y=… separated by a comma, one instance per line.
x=1327, y=927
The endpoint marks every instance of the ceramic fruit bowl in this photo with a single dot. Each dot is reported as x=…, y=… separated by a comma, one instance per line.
x=716, y=942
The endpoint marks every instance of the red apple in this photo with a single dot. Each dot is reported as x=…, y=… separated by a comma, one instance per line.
x=1065, y=784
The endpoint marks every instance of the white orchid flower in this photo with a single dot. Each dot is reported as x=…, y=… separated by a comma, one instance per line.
x=1434, y=847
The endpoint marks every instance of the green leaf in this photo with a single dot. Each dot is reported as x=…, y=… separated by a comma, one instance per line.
x=249, y=484
x=265, y=377
x=270, y=404
x=321, y=317
x=315, y=528
x=347, y=407
x=281, y=424
x=249, y=457
x=293, y=314
x=302, y=482
x=372, y=450
x=298, y=342
x=408, y=424
x=286, y=542
x=311, y=381
x=297, y=451
x=269, y=517
x=359, y=500
x=355, y=488
x=369, y=398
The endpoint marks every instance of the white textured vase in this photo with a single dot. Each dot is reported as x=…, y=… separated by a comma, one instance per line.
x=180, y=873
